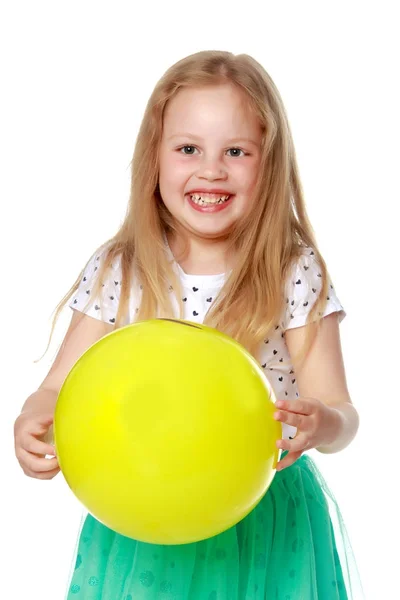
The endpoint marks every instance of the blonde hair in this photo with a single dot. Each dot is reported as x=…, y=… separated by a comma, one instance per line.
x=268, y=241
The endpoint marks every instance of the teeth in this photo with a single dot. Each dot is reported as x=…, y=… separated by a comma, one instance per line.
x=208, y=199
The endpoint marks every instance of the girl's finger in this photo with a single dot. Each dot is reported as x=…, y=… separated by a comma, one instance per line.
x=36, y=464
x=34, y=446
x=39, y=425
x=297, y=444
x=296, y=420
x=288, y=460
x=49, y=474
x=299, y=406
x=43, y=476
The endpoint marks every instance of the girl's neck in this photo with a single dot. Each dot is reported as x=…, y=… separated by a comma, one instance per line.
x=202, y=256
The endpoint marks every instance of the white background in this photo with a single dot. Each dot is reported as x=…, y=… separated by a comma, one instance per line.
x=75, y=79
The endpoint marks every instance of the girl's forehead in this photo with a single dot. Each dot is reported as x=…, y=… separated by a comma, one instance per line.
x=204, y=109
x=224, y=94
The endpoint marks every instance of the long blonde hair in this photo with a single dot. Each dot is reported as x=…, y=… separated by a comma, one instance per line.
x=268, y=241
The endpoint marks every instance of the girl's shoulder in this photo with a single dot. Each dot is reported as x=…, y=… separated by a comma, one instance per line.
x=303, y=287
x=305, y=270
x=99, y=290
x=306, y=258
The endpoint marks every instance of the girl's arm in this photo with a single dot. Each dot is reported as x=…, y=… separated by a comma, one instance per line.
x=32, y=429
x=322, y=377
x=82, y=333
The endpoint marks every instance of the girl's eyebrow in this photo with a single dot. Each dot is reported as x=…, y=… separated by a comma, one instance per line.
x=196, y=137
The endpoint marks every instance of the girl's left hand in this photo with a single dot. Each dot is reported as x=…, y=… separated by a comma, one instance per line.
x=317, y=425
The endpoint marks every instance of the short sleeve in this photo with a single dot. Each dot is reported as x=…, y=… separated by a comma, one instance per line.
x=104, y=305
x=303, y=289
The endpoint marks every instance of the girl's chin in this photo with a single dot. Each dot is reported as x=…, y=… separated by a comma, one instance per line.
x=208, y=230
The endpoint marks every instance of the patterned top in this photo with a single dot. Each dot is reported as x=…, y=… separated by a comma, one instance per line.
x=199, y=294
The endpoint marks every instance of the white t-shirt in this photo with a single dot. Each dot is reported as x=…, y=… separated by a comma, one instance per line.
x=199, y=294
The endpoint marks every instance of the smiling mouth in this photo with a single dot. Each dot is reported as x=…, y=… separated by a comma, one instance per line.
x=209, y=199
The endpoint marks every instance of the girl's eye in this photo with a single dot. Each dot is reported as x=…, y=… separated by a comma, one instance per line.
x=236, y=150
x=187, y=148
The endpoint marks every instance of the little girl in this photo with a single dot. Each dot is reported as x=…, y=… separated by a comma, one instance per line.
x=217, y=232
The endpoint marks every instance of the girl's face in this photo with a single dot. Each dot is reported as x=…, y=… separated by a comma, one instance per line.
x=209, y=158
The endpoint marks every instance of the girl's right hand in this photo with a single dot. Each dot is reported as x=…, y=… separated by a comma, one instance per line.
x=34, y=422
x=30, y=449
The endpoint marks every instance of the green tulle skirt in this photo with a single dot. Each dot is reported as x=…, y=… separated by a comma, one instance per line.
x=292, y=546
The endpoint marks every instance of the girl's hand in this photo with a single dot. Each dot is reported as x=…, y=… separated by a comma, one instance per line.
x=30, y=449
x=317, y=424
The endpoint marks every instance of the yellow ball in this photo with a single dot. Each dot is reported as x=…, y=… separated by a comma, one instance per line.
x=164, y=431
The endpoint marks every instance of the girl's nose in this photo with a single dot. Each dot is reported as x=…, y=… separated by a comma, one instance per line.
x=212, y=169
